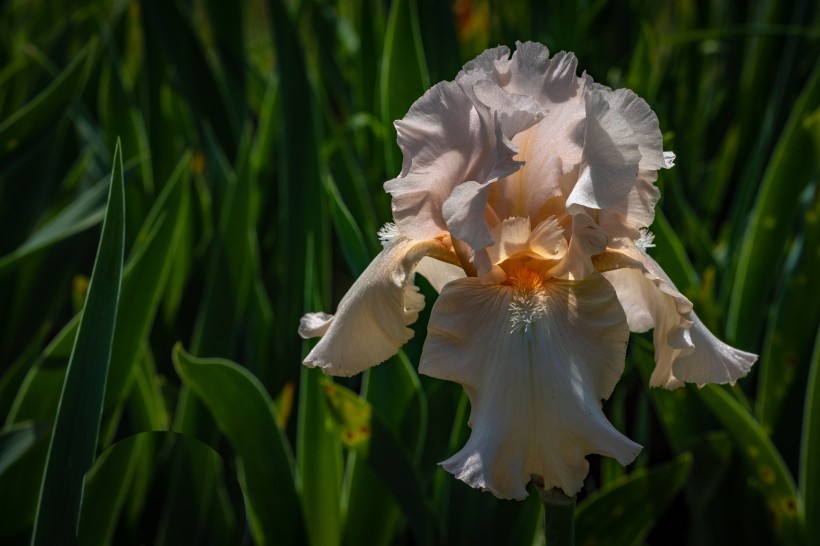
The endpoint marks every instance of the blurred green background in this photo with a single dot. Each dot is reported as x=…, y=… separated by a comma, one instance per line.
x=255, y=138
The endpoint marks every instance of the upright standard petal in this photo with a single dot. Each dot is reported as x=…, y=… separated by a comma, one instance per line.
x=450, y=137
x=551, y=148
x=371, y=322
x=635, y=212
x=535, y=387
x=611, y=154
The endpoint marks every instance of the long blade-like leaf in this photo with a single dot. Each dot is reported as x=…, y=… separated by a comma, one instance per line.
x=768, y=471
x=76, y=428
x=244, y=412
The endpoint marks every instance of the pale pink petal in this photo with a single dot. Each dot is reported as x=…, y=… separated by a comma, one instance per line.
x=514, y=112
x=711, y=360
x=437, y=138
x=587, y=240
x=464, y=213
x=314, y=325
x=547, y=240
x=549, y=150
x=371, y=322
x=535, y=392
x=635, y=212
x=685, y=350
x=456, y=133
x=553, y=146
x=487, y=60
x=530, y=72
x=643, y=123
x=611, y=154
x=648, y=304
x=511, y=237
x=439, y=273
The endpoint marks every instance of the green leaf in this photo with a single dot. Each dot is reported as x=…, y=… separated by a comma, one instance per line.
x=42, y=110
x=227, y=21
x=438, y=30
x=82, y=213
x=172, y=30
x=350, y=414
x=353, y=246
x=143, y=283
x=18, y=440
x=394, y=391
x=301, y=214
x=320, y=462
x=195, y=473
x=76, y=428
x=768, y=472
x=23, y=476
x=404, y=76
x=624, y=512
x=810, y=447
x=146, y=404
x=144, y=280
x=106, y=486
x=763, y=249
x=790, y=337
x=39, y=394
x=389, y=460
x=243, y=411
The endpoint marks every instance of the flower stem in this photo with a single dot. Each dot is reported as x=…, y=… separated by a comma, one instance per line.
x=559, y=517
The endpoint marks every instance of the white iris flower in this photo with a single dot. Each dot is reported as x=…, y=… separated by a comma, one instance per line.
x=524, y=198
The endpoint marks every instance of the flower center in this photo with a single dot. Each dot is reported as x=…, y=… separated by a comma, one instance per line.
x=529, y=301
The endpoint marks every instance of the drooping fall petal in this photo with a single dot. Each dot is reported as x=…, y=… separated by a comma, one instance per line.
x=685, y=350
x=536, y=388
x=371, y=322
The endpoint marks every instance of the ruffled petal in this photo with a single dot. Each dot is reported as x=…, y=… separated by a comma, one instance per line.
x=464, y=213
x=371, y=322
x=438, y=138
x=550, y=148
x=643, y=123
x=587, y=240
x=649, y=302
x=635, y=212
x=535, y=392
x=456, y=132
x=611, y=154
x=511, y=237
x=685, y=350
x=314, y=324
x=530, y=72
x=514, y=112
x=547, y=240
x=711, y=361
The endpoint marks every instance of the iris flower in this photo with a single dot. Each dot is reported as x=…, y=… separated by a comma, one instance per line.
x=524, y=198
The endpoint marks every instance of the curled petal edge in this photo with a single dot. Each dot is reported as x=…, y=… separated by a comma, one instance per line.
x=372, y=319
x=685, y=350
x=535, y=393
